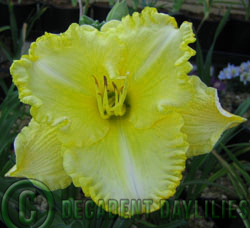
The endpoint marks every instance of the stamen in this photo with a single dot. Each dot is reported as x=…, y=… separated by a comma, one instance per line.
x=111, y=102
x=105, y=100
x=96, y=82
x=116, y=94
x=124, y=92
x=105, y=81
x=99, y=100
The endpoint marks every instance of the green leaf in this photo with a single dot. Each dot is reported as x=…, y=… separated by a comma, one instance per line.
x=171, y=224
x=237, y=164
x=4, y=28
x=76, y=224
x=13, y=26
x=208, y=62
x=135, y=4
x=119, y=10
x=199, y=60
x=243, y=108
x=235, y=179
x=11, y=110
x=205, y=67
x=122, y=223
x=175, y=224
x=196, y=163
x=3, y=86
x=6, y=52
x=107, y=223
x=111, y=2
x=207, y=183
x=34, y=18
x=177, y=5
x=85, y=20
x=74, y=3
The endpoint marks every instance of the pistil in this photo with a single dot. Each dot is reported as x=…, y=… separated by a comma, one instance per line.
x=111, y=100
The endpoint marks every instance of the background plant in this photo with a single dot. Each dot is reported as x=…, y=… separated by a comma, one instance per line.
x=226, y=160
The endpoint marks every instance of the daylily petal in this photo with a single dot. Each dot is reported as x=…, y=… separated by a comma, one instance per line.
x=205, y=119
x=157, y=54
x=38, y=156
x=56, y=79
x=130, y=163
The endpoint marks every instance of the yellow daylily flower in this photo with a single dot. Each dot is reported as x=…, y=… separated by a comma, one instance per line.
x=114, y=110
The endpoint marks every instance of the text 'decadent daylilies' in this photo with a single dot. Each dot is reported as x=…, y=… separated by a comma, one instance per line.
x=114, y=110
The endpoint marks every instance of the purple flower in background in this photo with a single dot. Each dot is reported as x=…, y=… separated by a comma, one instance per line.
x=219, y=85
x=231, y=71
x=245, y=66
x=245, y=77
x=223, y=74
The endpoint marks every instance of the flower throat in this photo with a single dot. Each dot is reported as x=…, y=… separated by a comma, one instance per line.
x=111, y=99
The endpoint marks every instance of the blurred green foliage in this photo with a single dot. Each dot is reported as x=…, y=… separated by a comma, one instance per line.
x=208, y=4
x=202, y=171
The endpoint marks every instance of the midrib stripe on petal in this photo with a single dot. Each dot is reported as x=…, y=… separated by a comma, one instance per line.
x=129, y=165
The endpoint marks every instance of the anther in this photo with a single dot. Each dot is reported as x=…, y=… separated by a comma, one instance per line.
x=96, y=82
x=105, y=81
x=114, y=85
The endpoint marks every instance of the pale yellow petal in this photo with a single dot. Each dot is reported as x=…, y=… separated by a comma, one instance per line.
x=131, y=163
x=157, y=55
x=38, y=156
x=56, y=79
x=205, y=119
